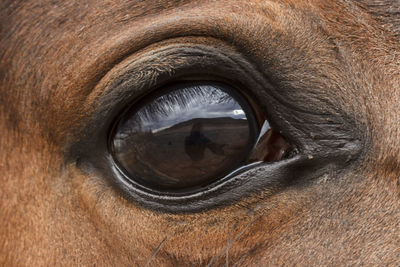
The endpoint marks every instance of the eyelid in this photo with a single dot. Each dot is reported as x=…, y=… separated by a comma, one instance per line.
x=153, y=68
x=131, y=79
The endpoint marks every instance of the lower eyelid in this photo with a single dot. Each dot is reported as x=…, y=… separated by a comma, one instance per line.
x=131, y=78
x=250, y=180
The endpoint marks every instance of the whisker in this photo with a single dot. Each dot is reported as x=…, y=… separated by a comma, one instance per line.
x=155, y=251
x=230, y=243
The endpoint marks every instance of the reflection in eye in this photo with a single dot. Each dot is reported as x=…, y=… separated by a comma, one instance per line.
x=197, y=142
x=188, y=137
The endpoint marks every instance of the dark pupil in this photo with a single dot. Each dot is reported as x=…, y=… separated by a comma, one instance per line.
x=185, y=138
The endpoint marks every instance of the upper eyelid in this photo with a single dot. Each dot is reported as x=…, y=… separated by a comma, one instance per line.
x=132, y=79
x=163, y=62
x=143, y=72
x=129, y=78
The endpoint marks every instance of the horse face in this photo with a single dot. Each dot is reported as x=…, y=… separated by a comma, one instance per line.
x=325, y=74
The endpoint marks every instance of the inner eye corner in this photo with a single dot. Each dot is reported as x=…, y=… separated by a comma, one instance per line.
x=190, y=134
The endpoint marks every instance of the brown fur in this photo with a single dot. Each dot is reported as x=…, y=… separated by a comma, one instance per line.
x=55, y=62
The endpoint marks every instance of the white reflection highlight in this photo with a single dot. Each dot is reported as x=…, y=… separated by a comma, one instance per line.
x=183, y=105
x=238, y=112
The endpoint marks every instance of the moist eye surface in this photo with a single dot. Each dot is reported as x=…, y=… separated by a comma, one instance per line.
x=184, y=137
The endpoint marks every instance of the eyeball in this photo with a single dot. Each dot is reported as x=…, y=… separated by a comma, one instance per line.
x=187, y=136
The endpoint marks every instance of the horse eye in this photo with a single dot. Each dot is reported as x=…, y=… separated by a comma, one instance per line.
x=189, y=136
